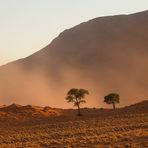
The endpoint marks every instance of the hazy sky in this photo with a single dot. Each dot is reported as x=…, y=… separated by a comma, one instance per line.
x=26, y=26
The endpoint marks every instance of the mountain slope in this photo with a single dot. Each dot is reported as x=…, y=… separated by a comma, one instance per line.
x=103, y=55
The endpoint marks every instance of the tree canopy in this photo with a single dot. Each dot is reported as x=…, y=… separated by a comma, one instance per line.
x=112, y=98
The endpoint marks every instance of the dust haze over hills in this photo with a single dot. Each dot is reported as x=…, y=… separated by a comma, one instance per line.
x=103, y=55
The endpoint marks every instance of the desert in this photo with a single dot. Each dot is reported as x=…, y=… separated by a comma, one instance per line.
x=73, y=74
x=32, y=126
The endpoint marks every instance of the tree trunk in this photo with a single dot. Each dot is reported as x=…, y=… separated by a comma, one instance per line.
x=79, y=113
x=114, y=107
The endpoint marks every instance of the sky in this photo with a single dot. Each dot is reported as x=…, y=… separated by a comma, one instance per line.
x=26, y=26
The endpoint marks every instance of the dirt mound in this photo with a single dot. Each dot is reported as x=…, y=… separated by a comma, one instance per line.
x=18, y=113
x=140, y=107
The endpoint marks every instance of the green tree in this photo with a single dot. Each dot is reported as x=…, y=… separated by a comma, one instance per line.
x=112, y=98
x=77, y=96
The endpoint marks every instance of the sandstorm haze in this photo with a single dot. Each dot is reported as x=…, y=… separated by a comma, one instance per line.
x=103, y=55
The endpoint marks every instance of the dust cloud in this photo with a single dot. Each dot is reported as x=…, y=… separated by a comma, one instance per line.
x=103, y=55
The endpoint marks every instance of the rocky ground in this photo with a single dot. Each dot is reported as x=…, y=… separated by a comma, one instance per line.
x=30, y=126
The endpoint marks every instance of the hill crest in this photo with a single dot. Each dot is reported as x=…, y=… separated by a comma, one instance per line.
x=17, y=114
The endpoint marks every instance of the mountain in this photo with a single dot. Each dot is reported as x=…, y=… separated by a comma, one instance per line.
x=103, y=55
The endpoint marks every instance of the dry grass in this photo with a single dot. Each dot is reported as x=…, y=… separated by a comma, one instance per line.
x=96, y=128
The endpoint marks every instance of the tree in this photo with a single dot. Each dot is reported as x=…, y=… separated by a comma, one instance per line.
x=77, y=96
x=112, y=98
